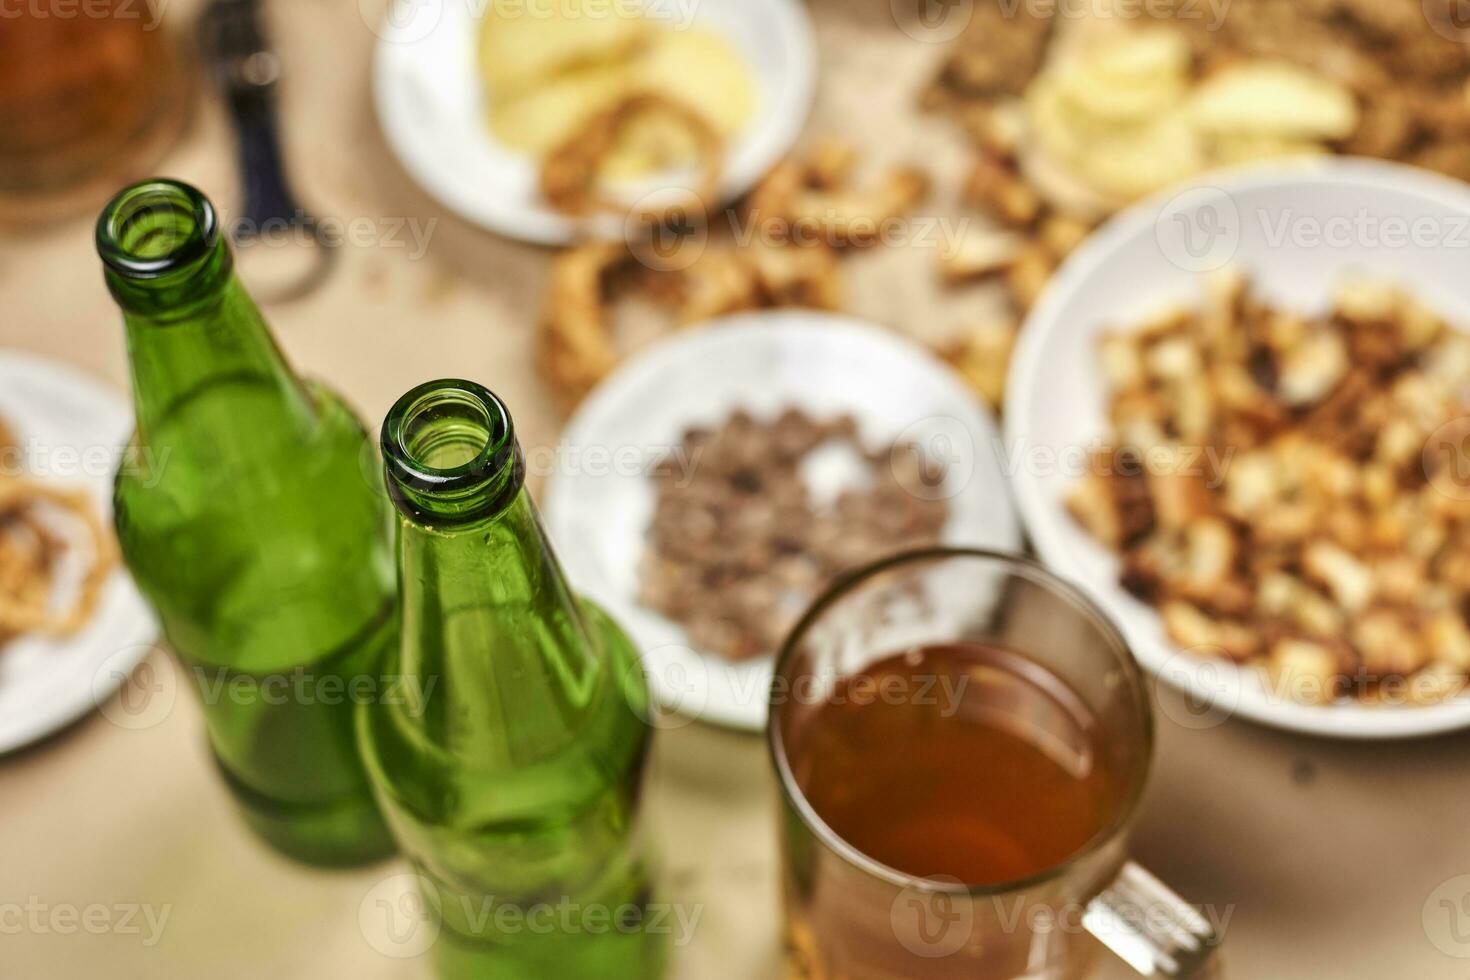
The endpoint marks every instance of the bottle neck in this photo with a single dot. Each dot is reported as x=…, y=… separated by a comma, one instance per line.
x=190, y=324
x=495, y=644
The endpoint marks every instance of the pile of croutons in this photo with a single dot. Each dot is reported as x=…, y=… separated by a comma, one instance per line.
x=1292, y=492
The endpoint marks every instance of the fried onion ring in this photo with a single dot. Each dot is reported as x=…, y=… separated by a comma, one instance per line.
x=31, y=547
x=577, y=348
x=569, y=174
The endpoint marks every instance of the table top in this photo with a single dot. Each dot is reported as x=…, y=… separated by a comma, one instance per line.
x=1318, y=858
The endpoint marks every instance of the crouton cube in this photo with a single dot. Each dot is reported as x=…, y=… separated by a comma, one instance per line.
x=1349, y=580
x=1303, y=671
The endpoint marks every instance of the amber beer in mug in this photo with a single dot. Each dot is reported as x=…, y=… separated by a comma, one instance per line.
x=91, y=94
x=962, y=740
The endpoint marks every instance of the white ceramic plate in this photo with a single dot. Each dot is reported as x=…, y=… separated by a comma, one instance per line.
x=1295, y=231
x=431, y=106
x=599, y=500
x=72, y=432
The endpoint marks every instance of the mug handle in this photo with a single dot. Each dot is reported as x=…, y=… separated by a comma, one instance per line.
x=1151, y=928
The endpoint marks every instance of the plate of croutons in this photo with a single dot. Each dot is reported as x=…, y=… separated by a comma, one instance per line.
x=1240, y=417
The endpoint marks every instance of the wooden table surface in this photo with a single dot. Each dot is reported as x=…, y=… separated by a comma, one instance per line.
x=1321, y=859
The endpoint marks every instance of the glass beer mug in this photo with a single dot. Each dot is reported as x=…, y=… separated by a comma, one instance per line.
x=962, y=740
x=91, y=94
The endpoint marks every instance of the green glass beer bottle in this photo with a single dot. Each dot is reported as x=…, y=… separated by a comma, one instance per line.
x=510, y=764
x=252, y=516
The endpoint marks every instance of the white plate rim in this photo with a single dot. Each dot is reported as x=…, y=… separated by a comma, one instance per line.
x=1042, y=522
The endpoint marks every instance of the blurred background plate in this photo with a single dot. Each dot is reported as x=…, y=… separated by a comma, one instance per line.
x=823, y=364
x=430, y=103
x=1295, y=232
x=72, y=431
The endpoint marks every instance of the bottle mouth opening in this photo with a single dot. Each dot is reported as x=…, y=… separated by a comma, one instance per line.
x=156, y=227
x=449, y=438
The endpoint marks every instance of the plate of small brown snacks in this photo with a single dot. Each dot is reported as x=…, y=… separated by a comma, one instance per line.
x=1240, y=417
x=72, y=626
x=554, y=120
x=709, y=489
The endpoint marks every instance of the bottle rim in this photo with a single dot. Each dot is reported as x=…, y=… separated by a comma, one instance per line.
x=450, y=451
x=156, y=227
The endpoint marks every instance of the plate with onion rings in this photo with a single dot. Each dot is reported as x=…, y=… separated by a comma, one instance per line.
x=554, y=120
x=72, y=625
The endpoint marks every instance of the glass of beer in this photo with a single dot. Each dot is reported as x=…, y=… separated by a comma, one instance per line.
x=91, y=94
x=962, y=740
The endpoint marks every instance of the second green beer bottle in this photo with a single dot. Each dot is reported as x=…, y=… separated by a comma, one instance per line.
x=511, y=765
x=250, y=522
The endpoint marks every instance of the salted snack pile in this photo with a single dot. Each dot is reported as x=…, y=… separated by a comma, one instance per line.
x=815, y=199
x=1406, y=61
x=40, y=528
x=1001, y=50
x=557, y=71
x=1289, y=491
x=781, y=249
x=755, y=518
x=1033, y=238
x=1403, y=63
x=1118, y=115
x=1123, y=112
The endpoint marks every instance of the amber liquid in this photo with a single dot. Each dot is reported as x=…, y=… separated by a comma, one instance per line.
x=89, y=98
x=963, y=761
